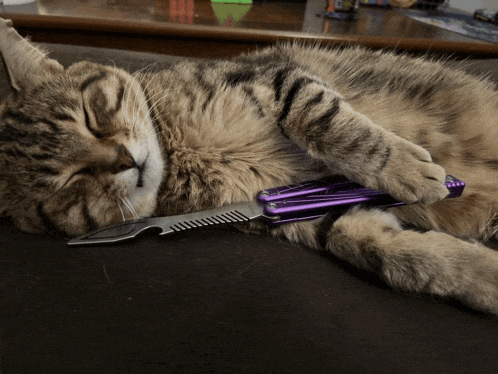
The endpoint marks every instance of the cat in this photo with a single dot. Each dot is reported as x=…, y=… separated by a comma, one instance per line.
x=88, y=145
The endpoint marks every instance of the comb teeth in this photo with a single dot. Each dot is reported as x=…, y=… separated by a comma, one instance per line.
x=229, y=217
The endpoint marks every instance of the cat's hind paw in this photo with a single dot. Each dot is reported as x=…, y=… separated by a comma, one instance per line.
x=433, y=262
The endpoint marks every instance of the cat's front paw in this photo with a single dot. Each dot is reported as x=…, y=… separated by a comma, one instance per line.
x=411, y=176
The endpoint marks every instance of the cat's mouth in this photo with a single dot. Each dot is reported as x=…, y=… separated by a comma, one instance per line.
x=141, y=171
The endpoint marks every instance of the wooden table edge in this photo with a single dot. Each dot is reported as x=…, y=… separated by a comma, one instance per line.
x=139, y=29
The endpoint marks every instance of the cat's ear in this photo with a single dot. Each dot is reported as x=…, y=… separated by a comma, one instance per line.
x=26, y=64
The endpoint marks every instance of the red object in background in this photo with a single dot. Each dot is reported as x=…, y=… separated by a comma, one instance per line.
x=182, y=11
x=331, y=7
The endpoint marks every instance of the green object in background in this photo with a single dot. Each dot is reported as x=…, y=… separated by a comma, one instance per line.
x=235, y=11
x=232, y=1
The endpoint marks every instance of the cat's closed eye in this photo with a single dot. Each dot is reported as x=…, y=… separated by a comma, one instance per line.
x=97, y=133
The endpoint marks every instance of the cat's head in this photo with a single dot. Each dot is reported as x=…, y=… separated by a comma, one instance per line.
x=78, y=148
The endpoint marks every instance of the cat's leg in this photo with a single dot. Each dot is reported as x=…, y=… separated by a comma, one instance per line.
x=432, y=262
x=320, y=121
x=471, y=216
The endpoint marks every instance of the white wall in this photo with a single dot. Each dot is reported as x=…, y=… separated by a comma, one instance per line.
x=471, y=5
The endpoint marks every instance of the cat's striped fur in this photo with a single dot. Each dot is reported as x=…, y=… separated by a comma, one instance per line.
x=89, y=145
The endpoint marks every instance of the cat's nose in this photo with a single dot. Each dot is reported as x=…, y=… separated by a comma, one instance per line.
x=124, y=160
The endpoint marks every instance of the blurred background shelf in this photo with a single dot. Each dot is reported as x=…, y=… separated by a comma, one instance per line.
x=199, y=28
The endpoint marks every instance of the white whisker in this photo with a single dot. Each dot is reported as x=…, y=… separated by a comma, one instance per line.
x=153, y=100
x=126, y=205
x=137, y=105
x=134, y=78
x=141, y=82
x=130, y=207
x=121, y=210
x=145, y=103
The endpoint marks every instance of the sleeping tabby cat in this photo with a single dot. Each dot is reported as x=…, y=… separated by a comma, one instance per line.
x=89, y=145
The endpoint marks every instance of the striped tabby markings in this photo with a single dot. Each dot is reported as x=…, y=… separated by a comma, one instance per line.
x=279, y=80
x=358, y=141
x=92, y=79
x=102, y=110
x=252, y=97
x=207, y=87
x=318, y=128
x=289, y=99
x=238, y=77
x=47, y=222
x=492, y=164
x=385, y=159
x=19, y=117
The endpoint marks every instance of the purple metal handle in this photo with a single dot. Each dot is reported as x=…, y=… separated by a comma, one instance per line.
x=319, y=199
x=328, y=185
